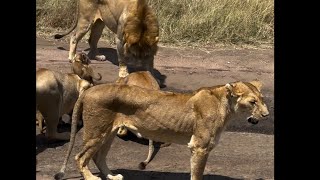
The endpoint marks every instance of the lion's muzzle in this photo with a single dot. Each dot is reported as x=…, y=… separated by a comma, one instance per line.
x=252, y=120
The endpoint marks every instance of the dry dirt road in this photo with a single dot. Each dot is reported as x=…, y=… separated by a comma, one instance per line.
x=245, y=151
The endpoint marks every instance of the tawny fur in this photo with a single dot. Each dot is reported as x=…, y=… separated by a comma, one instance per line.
x=195, y=119
x=134, y=23
x=56, y=94
x=81, y=67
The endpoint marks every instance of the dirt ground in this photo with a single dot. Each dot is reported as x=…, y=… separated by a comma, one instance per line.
x=245, y=151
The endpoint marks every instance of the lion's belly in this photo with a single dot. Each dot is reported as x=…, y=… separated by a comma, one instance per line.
x=174, y=130
x=165, y=136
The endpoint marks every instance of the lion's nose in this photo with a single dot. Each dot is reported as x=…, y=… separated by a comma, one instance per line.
x=265, y=114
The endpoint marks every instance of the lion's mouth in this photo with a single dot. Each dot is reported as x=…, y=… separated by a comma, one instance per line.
x=252, y=120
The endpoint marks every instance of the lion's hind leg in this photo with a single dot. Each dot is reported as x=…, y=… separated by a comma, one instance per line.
x=96, y=148
x=95, y=35
x=100, y=157
x=82, y=158
x=51, y=116
x=143, y=164
x=40, y=121
x=84, y=24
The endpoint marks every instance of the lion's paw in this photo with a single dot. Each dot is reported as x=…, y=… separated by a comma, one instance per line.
x=122, y=131
x=100, y=57
x=123, y=72
x=116, y=177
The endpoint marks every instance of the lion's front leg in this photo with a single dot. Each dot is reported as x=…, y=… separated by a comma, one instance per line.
x=198, y=162
x=123, y=69
x=199, y=155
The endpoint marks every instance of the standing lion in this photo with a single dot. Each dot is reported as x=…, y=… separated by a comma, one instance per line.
x=134, y=23
x=56, y=94
x=194, y=119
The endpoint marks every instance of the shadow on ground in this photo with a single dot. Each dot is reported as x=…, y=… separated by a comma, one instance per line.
x=152, y=175
x=42, y=142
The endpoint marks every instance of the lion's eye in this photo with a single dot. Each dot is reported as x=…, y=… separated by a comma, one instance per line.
x=253, y=102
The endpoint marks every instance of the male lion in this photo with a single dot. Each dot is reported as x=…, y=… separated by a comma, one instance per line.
x=56, y=94
x=134, y=23
x=196, y=119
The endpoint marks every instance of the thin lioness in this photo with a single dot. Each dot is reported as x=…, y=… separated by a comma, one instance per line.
x=56, y=94
x=196, y=119
x=134, y=23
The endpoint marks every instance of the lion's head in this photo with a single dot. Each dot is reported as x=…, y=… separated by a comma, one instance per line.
x=82, y=58
x=248, y=100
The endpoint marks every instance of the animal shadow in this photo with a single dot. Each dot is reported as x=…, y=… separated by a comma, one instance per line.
x=132, y=137
x=42, y=143
x=151, y=175
x=112, y=56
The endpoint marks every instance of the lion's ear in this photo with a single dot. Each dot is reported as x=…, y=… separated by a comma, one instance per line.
x=230, y=88
x=257, y=84
x=234, y=91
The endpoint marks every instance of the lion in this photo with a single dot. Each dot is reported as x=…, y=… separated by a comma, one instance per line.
x=134, y=23
x=196, y=119
x=56, y=94
x=81, y=67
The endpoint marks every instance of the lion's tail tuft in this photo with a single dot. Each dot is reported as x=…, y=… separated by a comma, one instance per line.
x=59, y=175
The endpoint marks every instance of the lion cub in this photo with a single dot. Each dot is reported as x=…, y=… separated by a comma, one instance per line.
x=81, y=67
x=56, y=94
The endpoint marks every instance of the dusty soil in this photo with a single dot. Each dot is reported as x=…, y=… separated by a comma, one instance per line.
x=245, y=151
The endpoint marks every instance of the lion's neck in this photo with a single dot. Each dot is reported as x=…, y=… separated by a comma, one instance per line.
x=226, y=103
x=233, y=109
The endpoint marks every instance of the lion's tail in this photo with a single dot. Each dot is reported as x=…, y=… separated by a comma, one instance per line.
x=96, y=76
x=77, y=112
x=58, y=36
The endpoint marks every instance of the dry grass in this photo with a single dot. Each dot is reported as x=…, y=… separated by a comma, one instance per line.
x=184, y=21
